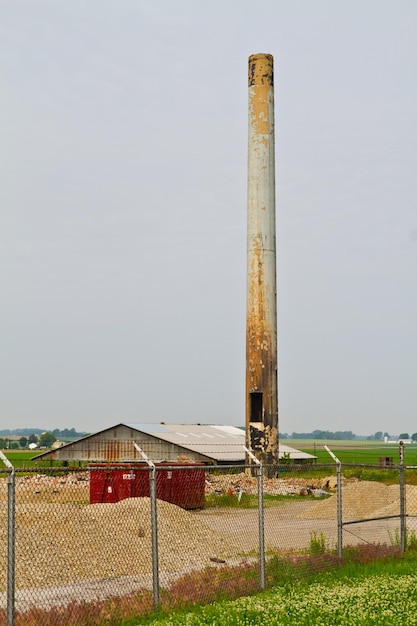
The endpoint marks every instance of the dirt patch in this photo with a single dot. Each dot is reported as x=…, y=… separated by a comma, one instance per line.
x=284, y=527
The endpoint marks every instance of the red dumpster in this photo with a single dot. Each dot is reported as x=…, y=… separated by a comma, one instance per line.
x=111, y=482
x=183, y=486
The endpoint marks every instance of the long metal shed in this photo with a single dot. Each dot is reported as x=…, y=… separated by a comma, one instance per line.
x=204, y=443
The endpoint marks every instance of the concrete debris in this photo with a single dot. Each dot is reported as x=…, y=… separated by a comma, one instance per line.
x=271, y=486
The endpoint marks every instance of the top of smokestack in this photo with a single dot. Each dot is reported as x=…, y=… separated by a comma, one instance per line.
x=262, y=55
x=261, y=69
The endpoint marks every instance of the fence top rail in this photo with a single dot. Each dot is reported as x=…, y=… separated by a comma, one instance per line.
x=46, y=470
x=374, y=466
x=281, y=470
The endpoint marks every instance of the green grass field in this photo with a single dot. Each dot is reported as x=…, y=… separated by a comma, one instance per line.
x=22, y=458
x=354, y=451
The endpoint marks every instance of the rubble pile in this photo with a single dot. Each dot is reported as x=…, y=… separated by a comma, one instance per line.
x=246, y=483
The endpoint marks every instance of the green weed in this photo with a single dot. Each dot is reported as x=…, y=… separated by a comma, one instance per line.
x=410, y=539
x=318, y=543
x=232, y=499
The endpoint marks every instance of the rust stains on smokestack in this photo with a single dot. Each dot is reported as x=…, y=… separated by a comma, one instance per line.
x=261, y=306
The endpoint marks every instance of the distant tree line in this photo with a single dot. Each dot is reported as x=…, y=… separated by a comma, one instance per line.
x=407, y=436
x=67, y=433
x=15, y=444
x=346, y=435
x=42, y=439
x=325, y=434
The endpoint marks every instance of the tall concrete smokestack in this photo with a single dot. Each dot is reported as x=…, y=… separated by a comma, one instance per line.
x=261, y=306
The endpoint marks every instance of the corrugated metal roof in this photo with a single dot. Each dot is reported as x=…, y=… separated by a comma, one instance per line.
x=215, y=442
x=220, y=443
x=224, y=444
x=149, y=429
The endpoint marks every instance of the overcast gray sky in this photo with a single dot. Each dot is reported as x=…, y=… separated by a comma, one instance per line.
x=123, y=211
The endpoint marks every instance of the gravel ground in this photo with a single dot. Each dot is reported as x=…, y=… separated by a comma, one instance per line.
x=65, y=543
x=67, y=549
x=361, y=499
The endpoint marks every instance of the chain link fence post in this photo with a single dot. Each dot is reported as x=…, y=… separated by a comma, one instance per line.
x=402, y=500
x=154, y=527
x=339, y=504
x=339, y=512
x=261, y=518
x=11, y=539
x=11, y=542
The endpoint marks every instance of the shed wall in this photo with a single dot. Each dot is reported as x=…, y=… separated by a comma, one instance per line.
x=116, y=444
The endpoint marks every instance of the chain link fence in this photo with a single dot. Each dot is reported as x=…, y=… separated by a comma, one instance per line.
x=108, y=540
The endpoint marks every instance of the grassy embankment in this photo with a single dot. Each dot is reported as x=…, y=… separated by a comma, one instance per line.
x=374, y=586
x=370, y=595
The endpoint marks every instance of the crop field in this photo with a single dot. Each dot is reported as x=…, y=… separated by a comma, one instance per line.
x=355, y=451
